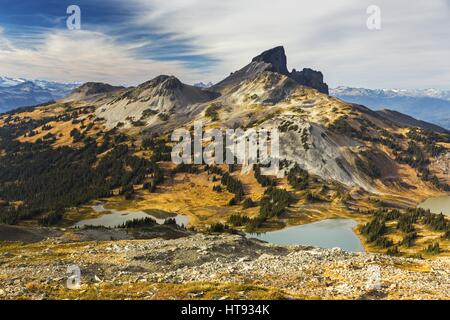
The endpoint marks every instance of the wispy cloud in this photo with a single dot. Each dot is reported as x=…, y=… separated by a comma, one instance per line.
x=326, y=35
x=84, y=56
x=205, y=40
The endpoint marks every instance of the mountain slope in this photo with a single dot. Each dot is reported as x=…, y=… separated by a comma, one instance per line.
x=407, y=121
x=302, y=114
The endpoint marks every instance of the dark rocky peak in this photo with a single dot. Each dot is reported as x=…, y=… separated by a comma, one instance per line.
x=273, y=60
x=164, y=81
x=276, y=57
x=310, y=78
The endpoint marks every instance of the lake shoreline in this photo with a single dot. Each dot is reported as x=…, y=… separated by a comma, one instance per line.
x=437, y=205
x=111, y=218
x=327, y=234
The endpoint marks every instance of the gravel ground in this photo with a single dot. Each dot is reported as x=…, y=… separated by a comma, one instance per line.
x=38, y=271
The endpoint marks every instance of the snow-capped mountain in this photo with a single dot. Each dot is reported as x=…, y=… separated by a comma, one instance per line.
x=432, y=93
x=203, y=85
x=429, y=105
x=18, y=92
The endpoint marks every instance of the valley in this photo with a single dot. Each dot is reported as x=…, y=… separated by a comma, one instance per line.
x=110, y=146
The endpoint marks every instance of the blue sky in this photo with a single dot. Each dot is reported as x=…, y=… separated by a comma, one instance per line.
x=129, y=42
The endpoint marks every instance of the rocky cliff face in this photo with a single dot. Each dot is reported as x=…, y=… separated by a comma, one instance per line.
x=310, y=78
x=275, y=60
x=276, y=57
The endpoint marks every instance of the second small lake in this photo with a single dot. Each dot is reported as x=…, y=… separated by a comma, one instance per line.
x=331, y=233
x=114, y=218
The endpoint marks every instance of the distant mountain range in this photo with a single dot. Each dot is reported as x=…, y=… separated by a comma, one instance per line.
x=18, y=92
x=430, y=105
x=203, y=85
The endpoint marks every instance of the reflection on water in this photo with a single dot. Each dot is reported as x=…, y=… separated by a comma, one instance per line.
x=330, y=233
x=437, y=205
x=114, y=218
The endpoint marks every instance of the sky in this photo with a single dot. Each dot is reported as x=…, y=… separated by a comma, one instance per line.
x=129, y=42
